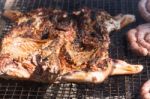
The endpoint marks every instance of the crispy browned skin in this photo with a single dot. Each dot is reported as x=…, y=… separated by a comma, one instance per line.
x=51, y=45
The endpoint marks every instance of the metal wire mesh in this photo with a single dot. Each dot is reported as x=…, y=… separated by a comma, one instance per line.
x=118, y=87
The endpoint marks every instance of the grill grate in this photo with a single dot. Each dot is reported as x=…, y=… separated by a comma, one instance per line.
x=118, y=87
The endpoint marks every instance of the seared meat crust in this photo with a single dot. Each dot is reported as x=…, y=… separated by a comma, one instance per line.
x=48, y=45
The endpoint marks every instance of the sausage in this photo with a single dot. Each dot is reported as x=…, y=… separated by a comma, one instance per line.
x=144, y=9
x=142, y=32
x=134, y=45
x=145, y=90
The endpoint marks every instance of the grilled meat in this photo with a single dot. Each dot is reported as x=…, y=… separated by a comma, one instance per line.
x=138, y=39
x=48, y=45
x=144, y=9
x=145, y=90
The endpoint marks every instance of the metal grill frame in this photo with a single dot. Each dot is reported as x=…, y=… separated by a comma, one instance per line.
x=117, y=87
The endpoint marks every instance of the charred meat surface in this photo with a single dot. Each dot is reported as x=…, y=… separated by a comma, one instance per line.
x=48, y=45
